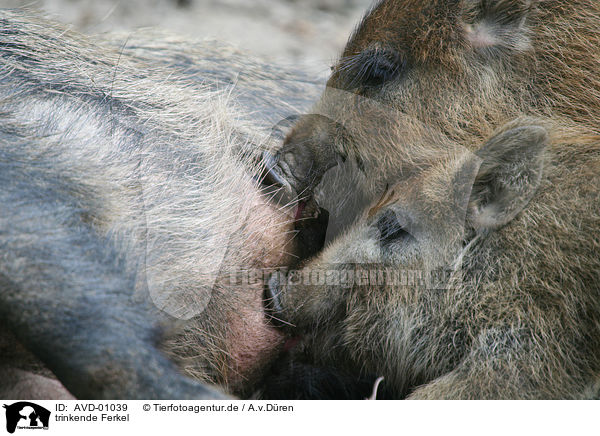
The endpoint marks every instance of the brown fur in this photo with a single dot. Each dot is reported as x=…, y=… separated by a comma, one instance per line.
x=540, y=60
x=524, y=320
x=519, y=317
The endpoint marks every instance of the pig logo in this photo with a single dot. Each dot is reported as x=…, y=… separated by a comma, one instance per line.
x=25, y=415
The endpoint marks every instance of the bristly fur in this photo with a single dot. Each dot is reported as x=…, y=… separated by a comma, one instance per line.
x=524, y=323
x=144, y=149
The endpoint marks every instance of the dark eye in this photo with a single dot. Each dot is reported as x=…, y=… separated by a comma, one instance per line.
x=390, y=229
x=372, y=68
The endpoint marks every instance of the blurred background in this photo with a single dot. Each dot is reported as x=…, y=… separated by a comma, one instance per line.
x=305, y=33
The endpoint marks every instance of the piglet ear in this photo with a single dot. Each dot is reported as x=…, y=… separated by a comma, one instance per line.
x=508, y=177
x=498, y=24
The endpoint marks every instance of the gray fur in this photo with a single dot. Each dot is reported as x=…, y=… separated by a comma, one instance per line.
x=128, y=168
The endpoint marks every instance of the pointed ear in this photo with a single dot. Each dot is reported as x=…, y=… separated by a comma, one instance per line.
x=509, y=175
x=498, y=24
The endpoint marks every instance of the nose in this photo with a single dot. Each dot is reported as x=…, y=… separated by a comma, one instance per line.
x=273, y=175
x=311, y=221
x=308, y=152
x=272, y=303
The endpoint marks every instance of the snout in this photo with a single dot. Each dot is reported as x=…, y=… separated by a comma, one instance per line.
x=311, y=221
x=275, y=176
x=293, y=169
x=307, y=153
x=272, y=301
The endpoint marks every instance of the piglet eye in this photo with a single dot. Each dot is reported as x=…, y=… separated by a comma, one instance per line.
x=379, y=67
x=371, y=68
x=390, y=229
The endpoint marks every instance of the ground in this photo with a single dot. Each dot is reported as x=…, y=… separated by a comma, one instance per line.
x=308, y=34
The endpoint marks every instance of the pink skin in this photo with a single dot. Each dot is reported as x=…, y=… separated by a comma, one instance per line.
x=252, y=342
